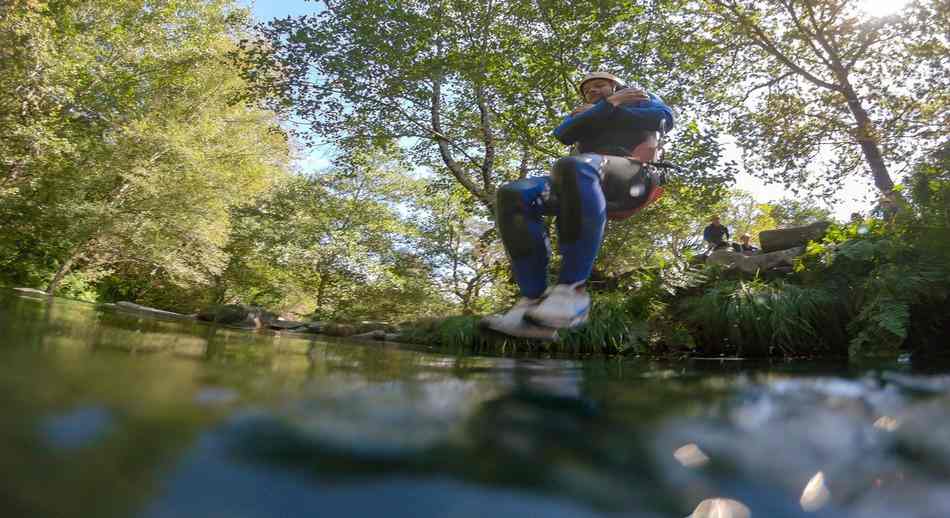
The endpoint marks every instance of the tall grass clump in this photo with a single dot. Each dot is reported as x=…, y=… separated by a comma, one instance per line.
x=752, y=318
x=616, y=326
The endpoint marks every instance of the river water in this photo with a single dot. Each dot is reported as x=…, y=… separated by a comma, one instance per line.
x=107, y=414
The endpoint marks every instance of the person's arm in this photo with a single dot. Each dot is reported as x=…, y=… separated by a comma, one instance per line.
x=574, y=126
x=707, y=233
x=648, y=115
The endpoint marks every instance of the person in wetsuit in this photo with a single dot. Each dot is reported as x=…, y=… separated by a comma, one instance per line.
x=613, y=132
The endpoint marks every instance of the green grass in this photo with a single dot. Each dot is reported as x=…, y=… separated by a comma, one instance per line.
x=752, y=318
x=612, y=329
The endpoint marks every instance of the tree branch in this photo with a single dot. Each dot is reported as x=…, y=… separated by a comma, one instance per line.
x=766, y=84
x=489, y=160
x=809, y=36
x=443, y=143
x=429, y=132
x=760, y=39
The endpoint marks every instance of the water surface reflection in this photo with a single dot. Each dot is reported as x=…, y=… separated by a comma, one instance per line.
x=111, y=414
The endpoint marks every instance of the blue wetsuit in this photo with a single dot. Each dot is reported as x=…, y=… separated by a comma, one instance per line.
x=573, y=192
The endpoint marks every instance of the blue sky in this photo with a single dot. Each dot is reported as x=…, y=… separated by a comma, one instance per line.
x=317, y=157
x=267, y=9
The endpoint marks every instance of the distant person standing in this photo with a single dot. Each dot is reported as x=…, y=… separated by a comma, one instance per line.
x=715, y=234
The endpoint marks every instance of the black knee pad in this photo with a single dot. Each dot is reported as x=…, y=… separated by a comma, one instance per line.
x=565, y=187
x=512, y=222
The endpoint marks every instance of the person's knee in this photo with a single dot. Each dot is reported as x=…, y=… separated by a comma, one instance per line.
x=522, y=193
x=518, y=221
x=508, y=196
x=575, y=167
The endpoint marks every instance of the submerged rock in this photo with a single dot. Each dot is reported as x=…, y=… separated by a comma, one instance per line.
x=721, y=508
x=866, y=448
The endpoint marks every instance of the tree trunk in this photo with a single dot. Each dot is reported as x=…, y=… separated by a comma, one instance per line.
x=63, y=270
x=867, y=139
x=321, y=292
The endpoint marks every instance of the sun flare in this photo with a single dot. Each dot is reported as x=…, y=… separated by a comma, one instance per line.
x=881, y=7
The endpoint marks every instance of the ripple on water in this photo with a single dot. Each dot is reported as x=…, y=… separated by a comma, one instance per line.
x=873, y=447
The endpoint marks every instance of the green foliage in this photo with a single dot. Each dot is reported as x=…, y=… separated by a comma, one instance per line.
x=816, y=91
x=753, y=318
x=477, y=86
x=615, y=327
x=630, y=320
x=886, y=276
x=893, y=277
x=136, y=149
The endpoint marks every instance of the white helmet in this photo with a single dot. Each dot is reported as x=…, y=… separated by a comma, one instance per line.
x=598, y=75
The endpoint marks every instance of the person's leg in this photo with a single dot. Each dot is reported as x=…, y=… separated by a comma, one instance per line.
x=521, y=207
x=582, y=215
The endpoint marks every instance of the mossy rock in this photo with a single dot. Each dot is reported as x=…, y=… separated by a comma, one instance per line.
x=237, y=315
x=785, y=238
x=337, y=329
x=369, y=326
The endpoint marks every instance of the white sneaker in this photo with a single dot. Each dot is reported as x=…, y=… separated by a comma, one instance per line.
x=512, y=322
x=566, y=306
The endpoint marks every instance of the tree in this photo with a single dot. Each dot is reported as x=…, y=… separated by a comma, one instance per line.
x=820, y=81
x=137, y=151
x=472, y=87
x=334, y=243
x=472, y=90
x=461, y=248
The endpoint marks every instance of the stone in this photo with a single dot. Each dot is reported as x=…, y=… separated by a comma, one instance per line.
x=378, y=334
x=238, y=315
x=137, y=308
x=334, y=329
x=753, y=264
x=785, y=238
x=286, y=325
x=31, y=291
x=721, y=508
x=315, y=327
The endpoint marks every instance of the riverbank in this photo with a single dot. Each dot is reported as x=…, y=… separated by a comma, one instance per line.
x=868, y=289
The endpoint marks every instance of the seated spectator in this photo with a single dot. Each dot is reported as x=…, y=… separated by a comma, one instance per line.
x=745, y=246
x=715, y=234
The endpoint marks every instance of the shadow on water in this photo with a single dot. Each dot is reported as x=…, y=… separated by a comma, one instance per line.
x=113, y=414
